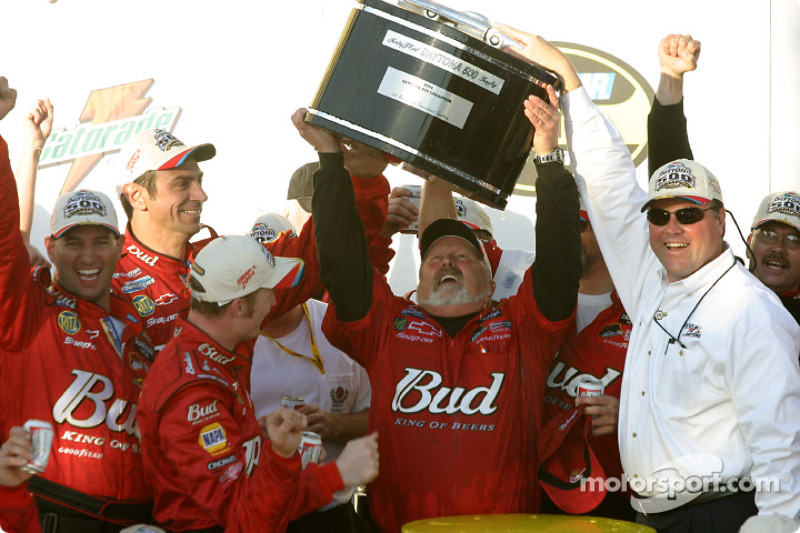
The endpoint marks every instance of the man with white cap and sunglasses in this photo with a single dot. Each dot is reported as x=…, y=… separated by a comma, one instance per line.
x=711, y=387
x=67, y=347
x=206, y=460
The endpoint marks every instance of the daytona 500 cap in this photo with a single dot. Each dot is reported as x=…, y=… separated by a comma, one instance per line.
x=157, y=149
x=269, y=226
x=233, y=266
x=82, y=208
x=685, y=179
x=779, y=207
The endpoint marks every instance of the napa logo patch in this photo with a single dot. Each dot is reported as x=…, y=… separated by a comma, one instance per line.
x=213, y=439
x=144, y=305
x=621, y=93
x=68, y=322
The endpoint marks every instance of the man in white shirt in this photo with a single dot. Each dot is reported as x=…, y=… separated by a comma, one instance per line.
x=711, y=388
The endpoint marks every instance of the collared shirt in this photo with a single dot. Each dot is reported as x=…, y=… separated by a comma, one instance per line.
x=726, y=402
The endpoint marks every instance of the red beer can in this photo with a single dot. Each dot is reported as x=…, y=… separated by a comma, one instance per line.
x=42, y=438
x=293, y=402
x=590, y=386
x=310, y=448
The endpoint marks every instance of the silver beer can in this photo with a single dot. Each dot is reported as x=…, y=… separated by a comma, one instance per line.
x=310, y=448
x=590, y=386
x=416, y=195
x=293, y=402
x=42, y=438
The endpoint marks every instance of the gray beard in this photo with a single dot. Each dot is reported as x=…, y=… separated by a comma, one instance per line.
x=449, y=296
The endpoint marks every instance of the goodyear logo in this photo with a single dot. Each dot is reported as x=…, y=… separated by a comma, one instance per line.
x=144, y=305
x=213, y=438
x=68, y=322
x=620, y=92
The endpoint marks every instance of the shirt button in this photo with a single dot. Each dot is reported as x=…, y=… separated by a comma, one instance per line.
x=648, y=352
x=642, y=393
x=634, y=435
x=680, y=353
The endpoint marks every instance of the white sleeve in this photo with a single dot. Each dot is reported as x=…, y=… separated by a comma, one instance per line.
x=606, y=179
x=767, y=353
x=364, y=388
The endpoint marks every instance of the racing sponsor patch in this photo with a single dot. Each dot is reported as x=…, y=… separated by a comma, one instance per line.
x=231, y=474
x=400, y=323
x=130, y=274
x=611, y=330
x=166, y=299
x=411, y=311
x=219, y=463
x=788, y=204
x=692, y=330
x=144, y=305
x=137, y=285
x=202, y=411
x=213, y=439
x=68, y=322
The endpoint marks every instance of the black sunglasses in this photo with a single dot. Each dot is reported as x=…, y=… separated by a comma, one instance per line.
x=687, y=215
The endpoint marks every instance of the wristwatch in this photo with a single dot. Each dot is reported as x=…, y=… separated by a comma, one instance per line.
x=556, y=155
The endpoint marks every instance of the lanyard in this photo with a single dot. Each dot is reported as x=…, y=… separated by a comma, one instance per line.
x=113, y=335
x=316, y=358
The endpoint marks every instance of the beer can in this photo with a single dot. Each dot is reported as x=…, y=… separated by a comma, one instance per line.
x=293, y=402
x=590, y=386
x=42, y=438
x=310, y=448
x=416, y=194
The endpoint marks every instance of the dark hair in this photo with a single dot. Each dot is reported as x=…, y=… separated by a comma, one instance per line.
x=146, y=180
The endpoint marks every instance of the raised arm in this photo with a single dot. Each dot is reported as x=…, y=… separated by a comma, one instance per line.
x=557, y=270
x=667, y=135
x=37, y=128
x=345, y=267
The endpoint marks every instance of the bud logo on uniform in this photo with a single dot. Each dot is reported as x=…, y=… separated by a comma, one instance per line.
x=109, y=118
x=198, y=411
x=90, y=388
x=572, y=376
x=620, y=92
x=421, y=390
x=212, y=353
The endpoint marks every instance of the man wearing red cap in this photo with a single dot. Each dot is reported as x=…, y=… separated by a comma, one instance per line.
x=205, y=457
x=66, y=345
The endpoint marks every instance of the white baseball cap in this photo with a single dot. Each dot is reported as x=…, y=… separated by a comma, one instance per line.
x=685, y=179
x=269, y=226
x=82, y=208
x=473, y=215
x=233, y=266
x=781, y=207
x=157, y=149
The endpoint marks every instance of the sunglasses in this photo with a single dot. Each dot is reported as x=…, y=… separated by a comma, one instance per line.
x=790, y=241
x=687, y=215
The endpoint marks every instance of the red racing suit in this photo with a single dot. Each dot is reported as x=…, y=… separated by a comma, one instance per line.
x=204, y=454
x=456, y=409
x=599, y=351
x=157, y=284
x=66, y=361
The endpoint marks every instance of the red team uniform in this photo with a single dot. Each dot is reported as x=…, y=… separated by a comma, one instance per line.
x=203, y=450
x=65, y=362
